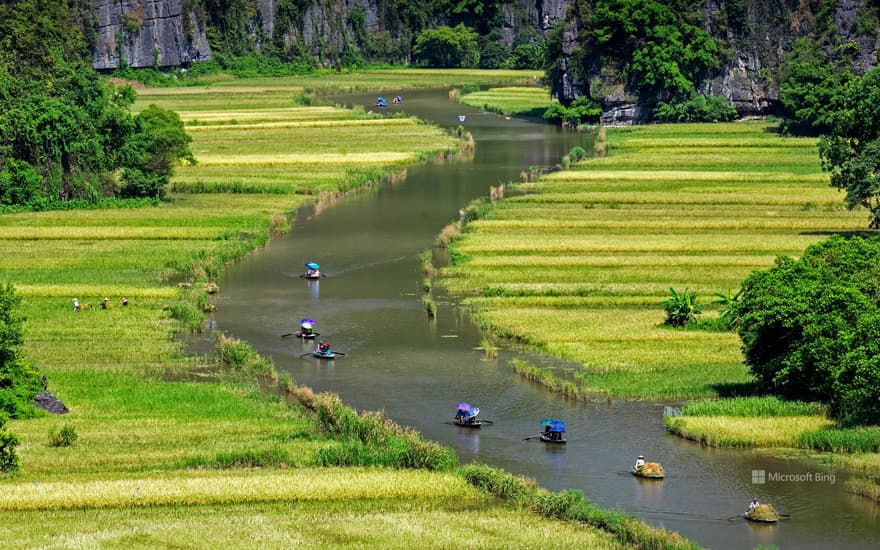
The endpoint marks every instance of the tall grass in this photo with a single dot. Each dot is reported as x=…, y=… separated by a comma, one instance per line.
x=572, y=506
x=847, y=440
x=866, y=487
x=752, y=407
x=546, y=378
x=489, y=348
x=372, y=439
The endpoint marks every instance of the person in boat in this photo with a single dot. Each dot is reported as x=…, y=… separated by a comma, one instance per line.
x=640, y=461
x=460, y=415
x=305, y=330
x=753, y=504
x=310, y=272
x=552, y=435
x=323, y=348
x=397, y=100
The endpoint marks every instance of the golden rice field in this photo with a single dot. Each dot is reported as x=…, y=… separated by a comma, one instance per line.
x=151, y=421
x=577, y=263
x=730, y=431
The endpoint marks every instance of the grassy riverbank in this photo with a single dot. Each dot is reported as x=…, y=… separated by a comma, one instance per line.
x=577, y=264
x=177, y=450
x=529, y=101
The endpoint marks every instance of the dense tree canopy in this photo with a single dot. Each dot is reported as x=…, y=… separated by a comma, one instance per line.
x=654, y=45
x=811, y=90
x=851, y=149
x=448, y=47
x=64, y=132
x=810, y=327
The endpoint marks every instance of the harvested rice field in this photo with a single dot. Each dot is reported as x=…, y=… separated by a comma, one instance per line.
x=577, y=263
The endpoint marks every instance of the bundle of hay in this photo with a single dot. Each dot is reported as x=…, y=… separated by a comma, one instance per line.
x=763, y=513
x=651, y=469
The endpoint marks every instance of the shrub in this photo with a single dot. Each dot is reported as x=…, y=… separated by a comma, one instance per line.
x=8, y=457
x=581, y=110
x=19, y=381
x=577, y=154
x=239, y=356
x=190, y=315
x=681, y=308
x=697, y=109
x=65, y=437
x=811, y=327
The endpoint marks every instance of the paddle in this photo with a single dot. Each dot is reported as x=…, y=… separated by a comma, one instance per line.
x=531, y=437
x=288, y=334
x=487, y=421
x=338, y=353
x=306, y=353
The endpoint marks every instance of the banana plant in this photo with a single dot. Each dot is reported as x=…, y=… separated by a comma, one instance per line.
x=681, y=307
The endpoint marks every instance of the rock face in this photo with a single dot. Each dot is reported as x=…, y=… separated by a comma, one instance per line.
x=147, y=33
x=47, y=401
x=757, y=40
x=757, y=37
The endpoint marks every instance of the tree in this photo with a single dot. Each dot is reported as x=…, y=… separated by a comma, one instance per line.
x=811, y=91
x=662, y=54
x=19, y=382
x=157, y=143
x=851, y=150
x=448, y=47
x=808, y=327
x=65, y=132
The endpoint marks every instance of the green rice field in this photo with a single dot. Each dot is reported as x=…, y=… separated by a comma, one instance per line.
x=518, y=100
x=577, y=263
x=173, y=450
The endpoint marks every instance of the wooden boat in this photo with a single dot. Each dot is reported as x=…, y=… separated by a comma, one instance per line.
x=762, y=513
x=547, y=439
x=650, y=470
x=315, y=275
x=466, y=424
x=307, y=336
x=320, y=355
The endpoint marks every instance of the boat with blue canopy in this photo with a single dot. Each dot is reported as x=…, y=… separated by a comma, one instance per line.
x=466, y=416
x=553, y=430
x=313, y=270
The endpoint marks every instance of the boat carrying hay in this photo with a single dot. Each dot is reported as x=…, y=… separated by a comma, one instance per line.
x=649, y=470
x=763, y=513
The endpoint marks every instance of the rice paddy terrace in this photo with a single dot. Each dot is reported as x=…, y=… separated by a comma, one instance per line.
x=578, y=263
x=165, y=441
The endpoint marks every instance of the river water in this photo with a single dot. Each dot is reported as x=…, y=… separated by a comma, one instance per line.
x=416, y=370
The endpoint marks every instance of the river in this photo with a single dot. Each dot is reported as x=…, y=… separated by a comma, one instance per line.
x=416, y=370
